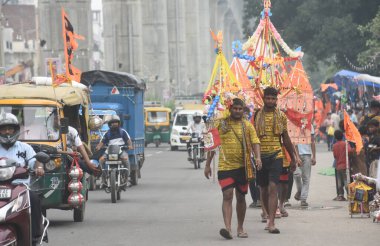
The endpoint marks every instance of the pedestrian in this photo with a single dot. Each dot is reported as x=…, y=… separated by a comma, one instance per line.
x=330, y=128
x=238, y=138
x=271, y=125
x=373, y=147
x=339, y=152
x=374, y=113
x=352, y=115
x=307, y=154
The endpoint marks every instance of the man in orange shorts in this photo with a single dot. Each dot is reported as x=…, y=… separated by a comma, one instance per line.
x=231, y=167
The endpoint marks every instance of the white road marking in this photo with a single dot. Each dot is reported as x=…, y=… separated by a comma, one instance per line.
x=148, y=155
x=158, y=152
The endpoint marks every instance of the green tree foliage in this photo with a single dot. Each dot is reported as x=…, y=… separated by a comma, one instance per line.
x=324, y=29
x=372, y=53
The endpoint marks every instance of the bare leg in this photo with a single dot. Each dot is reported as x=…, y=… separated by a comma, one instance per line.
x=227, y=207
x=283, y=194
x=264, y=200
x=241, y=208
x=272, y=203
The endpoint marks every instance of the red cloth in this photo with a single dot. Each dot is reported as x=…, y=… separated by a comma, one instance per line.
x=339, y=151
x=297, y=118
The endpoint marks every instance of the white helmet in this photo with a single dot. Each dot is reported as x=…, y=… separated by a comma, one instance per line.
x=8, y=119
x=197, y=114
x=114, y=118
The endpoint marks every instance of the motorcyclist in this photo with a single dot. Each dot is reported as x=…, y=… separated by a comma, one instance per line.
x=23, y=153
x=197, y=126
x=116, y=135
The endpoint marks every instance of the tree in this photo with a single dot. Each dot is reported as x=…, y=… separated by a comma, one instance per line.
x=325, y=29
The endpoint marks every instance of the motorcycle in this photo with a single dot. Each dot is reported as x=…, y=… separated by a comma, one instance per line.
x=196, y=149
x=15, y=210
x=115, y=172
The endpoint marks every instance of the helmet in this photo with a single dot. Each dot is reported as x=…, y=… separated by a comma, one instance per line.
x=197, y=114
x=95, y=123
x=8, y=119
x=114, y=118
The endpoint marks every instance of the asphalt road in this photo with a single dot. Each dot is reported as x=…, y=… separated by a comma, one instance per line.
x=175, y=205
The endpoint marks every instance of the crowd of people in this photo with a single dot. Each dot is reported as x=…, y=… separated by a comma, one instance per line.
x=279, y=163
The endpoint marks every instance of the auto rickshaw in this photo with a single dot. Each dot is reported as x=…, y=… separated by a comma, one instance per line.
x=157, y=125
x=35, y=103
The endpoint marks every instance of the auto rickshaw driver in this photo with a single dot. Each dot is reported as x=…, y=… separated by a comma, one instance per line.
x=74, y=143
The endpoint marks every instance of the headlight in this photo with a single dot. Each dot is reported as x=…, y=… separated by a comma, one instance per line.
x=174, y=132
x=53, y=164
x=113, y=157
x=6, y=173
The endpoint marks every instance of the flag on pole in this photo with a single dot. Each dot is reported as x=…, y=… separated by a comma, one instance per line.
x=70, y=45
x=352, y=133
x=57, y=79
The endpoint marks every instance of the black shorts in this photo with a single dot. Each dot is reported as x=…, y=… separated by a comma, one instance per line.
x=270, y=172
x=233, y=179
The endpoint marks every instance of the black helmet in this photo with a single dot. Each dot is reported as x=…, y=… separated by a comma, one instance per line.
x=8, y=119
x=114, y=118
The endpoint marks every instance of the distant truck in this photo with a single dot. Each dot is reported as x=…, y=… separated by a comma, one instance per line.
x=123, y=94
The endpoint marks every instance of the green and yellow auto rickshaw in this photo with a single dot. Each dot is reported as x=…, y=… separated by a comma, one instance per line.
x=35, y=103
x=157, y=125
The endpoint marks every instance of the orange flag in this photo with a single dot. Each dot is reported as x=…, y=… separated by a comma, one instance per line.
x=352, y=133
x=70, y=45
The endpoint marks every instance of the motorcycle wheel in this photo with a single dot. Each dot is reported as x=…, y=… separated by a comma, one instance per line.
x=113, y=186
x=134, y=177
x=79, y=213
x=195, y=160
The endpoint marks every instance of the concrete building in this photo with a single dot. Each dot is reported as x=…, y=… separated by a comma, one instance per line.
x=19, y=41
x=167, y=42
x=50, y=31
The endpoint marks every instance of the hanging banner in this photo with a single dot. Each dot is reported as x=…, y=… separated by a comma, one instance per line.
x=70, y=45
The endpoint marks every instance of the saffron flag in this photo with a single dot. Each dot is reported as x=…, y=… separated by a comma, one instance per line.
x=352, y=133
x=70, y=45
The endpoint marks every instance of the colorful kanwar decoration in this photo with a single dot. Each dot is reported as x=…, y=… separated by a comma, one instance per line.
x=57, y=79
x=268, y=61
x=70, y=45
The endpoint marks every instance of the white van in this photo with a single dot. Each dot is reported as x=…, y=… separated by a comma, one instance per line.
x=181, y=124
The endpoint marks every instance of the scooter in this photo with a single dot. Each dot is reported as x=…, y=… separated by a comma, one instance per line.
x=15, y=210
x=115, y=172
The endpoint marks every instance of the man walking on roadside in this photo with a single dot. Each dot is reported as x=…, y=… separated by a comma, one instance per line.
x=302, y=175
x=237, y=137
x=271, y=125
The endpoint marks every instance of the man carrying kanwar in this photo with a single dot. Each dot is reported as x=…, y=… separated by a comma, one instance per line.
x=239, y=143
x=271, y=126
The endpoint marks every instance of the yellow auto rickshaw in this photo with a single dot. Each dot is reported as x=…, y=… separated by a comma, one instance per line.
x=35, y=103
x=157, y=125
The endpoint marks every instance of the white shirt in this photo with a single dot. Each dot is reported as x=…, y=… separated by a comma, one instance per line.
x=199, y=128
x=305, y=149
x=72, y=137
x=20, y=152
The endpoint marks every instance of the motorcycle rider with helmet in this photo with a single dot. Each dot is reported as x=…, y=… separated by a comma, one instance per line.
x=13, y=149
x=116, y=135
x=197, y=126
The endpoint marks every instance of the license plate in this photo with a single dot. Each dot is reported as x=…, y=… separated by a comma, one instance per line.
x=5, y=193
x=113, y=162
x=186, y=138
x=194, y=140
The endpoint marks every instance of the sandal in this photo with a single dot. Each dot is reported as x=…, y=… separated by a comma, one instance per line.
x=242, y=234
x=225, y=233
x=264, y=218
x=284, y=213
x=274, y=231
x=278, y=214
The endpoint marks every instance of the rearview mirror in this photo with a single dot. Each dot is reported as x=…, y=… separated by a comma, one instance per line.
x=42, y=157
x=64, y=125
